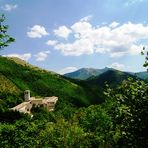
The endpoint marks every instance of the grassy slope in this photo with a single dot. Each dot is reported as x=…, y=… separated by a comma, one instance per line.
x=17, y=76
x=7, y=86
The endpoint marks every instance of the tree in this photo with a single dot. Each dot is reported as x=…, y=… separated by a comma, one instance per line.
x=127, y=105
x=5, y=39
x=145, y=53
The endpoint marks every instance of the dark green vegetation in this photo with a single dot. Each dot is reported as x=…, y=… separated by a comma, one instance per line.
x=144, y=52
x=89, y=73
x=112, y=77
x=78, y=120
x=5, y=39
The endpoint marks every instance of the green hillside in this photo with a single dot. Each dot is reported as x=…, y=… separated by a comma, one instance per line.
x=97, y=85
x=17, y=76
x=112, y=77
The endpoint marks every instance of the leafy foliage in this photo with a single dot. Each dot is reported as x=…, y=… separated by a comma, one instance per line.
x=127, y=106
x=5, y=39
x=145, y=53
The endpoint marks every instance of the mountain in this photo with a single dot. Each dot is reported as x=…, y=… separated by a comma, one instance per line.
x=97, y=84
x=85, y=73
x=90, y=73
x=142, y=75
x=112, y=77
x=16, y=76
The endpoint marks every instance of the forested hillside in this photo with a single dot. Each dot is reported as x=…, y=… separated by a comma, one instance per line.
x=16, y=76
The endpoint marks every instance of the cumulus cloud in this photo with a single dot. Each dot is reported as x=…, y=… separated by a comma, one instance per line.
x=51, y=42
x=86, y=18
x=130, y=2
x=37, y=31
x=77, y=48
x=25, y=56
x=113, y=24
x=67, y=70
x=8, y=7
x=41, y=56
x=117, y=66
x=114, y=39
x=82, y=29
x=62, y=31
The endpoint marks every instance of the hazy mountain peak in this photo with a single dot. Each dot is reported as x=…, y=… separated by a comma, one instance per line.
x=90, y=73
x=85, y=73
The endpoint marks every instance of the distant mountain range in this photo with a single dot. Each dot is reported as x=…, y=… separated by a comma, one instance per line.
x=90, y=73
x=85, y=73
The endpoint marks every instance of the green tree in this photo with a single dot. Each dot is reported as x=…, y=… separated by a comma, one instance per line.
x=5, y=39
x=127, y=105
x=145, y=53
x=98, y=123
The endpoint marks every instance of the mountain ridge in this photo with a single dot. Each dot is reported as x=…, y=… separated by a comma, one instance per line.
x=89, y=73
x=85, y=73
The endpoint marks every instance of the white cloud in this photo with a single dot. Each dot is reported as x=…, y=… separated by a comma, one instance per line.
x=37, y=32
x=131, y=2
x=67, y=70
x=114, y=39
x=8, y=7
x=77, y=48
x=62, y=31
x=86, y=18
x=117, y=54
x=113, y=24
x=117, y=66
x=81, y=29
x=51, y=42
x=41, y=56
x=25, y=56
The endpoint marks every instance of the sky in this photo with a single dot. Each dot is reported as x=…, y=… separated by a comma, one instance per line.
x=66, y=35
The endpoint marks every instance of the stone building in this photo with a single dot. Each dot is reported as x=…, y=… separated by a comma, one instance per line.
x=25, y=107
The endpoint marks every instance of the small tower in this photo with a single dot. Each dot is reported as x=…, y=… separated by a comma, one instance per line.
x=27, y=95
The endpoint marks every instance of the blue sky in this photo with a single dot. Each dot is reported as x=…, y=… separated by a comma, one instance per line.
x=65, y=35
